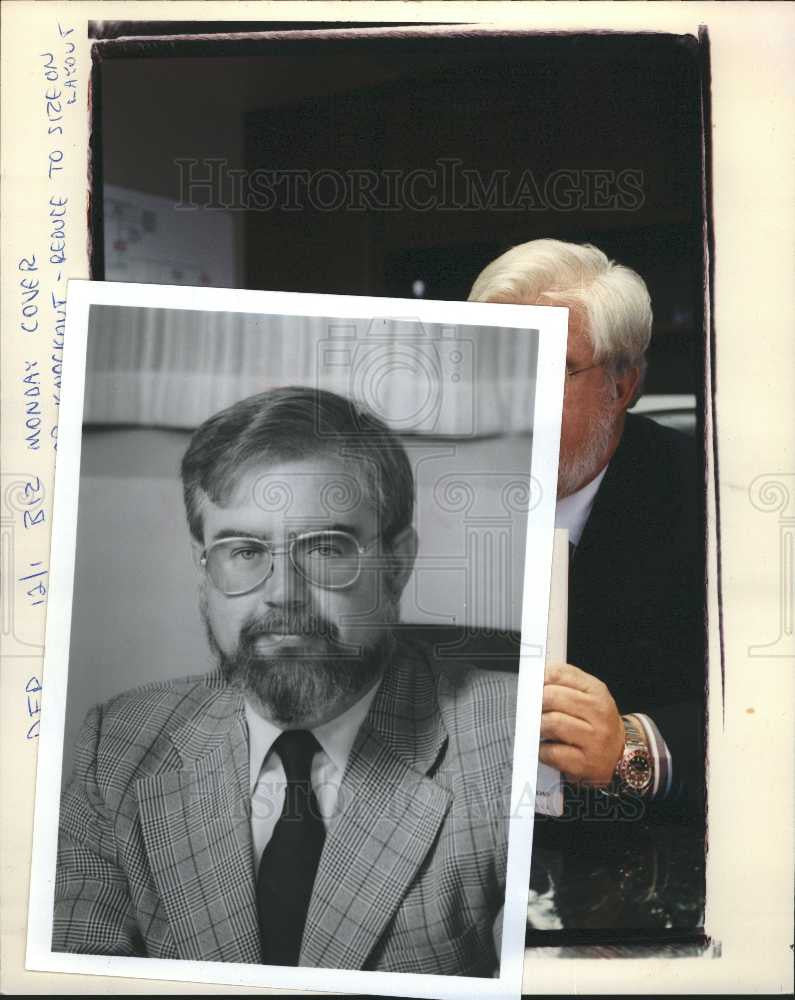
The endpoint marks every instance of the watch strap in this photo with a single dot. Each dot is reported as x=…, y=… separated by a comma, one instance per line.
x=634, y=772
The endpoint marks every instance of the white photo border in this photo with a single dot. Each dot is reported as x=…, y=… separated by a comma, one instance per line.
x=551, y=323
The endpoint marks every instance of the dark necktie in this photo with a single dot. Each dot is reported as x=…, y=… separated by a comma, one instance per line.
x=290, y=859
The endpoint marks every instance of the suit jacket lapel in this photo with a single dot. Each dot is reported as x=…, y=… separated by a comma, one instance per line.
x=614, y=518
x=616, y=511
x=388, y=816
x=197, y=832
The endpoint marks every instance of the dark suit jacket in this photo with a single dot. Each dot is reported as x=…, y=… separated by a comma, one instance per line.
x=637, y=591
x=155, y=854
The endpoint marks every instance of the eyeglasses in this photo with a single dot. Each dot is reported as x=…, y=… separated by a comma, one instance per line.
x=579, y=371
x=328, y=559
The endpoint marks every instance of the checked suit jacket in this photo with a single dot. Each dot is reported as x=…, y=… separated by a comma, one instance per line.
x=155, y=854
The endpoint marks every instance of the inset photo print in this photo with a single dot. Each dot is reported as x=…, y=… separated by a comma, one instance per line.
x=296, y=638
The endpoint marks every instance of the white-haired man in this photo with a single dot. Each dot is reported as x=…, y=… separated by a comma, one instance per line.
x=627, y=494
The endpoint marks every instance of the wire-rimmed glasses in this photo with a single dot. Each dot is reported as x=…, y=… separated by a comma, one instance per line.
x=328, y=559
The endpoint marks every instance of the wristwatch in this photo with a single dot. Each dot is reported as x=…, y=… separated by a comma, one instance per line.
x=634, y=770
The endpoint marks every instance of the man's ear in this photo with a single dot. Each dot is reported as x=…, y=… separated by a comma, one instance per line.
x=626, y=385
x=197, y=551
x=403, y=550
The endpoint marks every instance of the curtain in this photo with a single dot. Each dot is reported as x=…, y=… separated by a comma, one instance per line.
x=174, y=368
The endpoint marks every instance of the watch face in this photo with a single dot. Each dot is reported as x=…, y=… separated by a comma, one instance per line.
x=635, y=770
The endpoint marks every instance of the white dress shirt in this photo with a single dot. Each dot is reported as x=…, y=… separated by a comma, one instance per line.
x=267, y=779
x=572, y=512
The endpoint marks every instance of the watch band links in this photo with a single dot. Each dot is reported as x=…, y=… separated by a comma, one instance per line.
x=634, y=771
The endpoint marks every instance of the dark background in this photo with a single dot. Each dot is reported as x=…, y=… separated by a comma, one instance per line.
x=538, y=103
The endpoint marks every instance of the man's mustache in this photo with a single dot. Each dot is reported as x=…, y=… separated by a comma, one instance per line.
x=279, y=623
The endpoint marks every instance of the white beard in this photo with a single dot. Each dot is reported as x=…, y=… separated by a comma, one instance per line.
x=574, y=471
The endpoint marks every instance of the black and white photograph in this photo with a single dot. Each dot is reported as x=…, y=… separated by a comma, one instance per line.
x=301, y=661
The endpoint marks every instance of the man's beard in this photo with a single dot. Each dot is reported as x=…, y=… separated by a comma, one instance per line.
x=578, y=470
x=295, y=684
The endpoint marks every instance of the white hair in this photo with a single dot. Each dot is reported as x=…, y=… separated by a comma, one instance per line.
x=612, y=299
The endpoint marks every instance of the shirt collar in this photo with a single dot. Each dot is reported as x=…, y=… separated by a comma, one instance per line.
x=572, y=512
x=262, y=734
x=336, y=737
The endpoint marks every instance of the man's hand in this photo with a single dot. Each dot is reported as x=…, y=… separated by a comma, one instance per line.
x=581, y=721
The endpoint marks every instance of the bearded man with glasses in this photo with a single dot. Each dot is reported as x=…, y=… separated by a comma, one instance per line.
x=328, y=797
